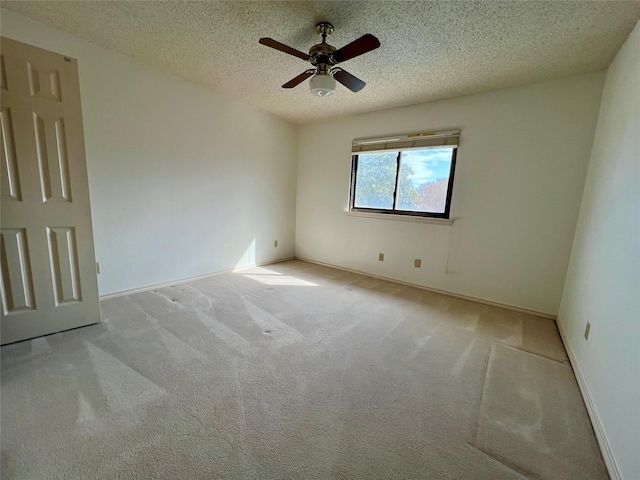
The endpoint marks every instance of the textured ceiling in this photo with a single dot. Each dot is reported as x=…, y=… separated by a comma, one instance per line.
x=430, y=50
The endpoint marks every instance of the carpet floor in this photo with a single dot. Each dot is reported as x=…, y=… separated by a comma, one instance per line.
x=296, y=371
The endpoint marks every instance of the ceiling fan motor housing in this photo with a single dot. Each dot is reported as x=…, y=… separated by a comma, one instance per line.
x=321, y=53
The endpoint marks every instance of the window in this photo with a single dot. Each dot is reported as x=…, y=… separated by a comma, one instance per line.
x=404, y=175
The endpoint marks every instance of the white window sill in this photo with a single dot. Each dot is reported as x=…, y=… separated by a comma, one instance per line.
x=402, y=218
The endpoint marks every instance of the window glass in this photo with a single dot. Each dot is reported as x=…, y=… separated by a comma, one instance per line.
x=376, y=180
x=424, y=180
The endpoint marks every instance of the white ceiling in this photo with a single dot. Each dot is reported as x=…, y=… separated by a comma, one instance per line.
x=430, y=50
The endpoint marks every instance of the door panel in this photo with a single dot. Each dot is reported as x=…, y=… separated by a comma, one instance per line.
x=48, y=281
x=52, y=158
x=17, y=282
x=64, y=265
x=10, y=185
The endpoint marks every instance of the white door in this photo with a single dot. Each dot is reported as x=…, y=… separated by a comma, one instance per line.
x=48, y=264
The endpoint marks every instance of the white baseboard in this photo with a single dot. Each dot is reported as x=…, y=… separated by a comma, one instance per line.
x=190, y=279
x=435, y=290
x=605, y=449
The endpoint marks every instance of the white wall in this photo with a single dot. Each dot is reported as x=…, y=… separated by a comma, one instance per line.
x=603, y=281
x=520, y=173
x=183, y=181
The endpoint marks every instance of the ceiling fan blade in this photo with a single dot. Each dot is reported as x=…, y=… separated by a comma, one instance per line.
x=299, y=79
x=270, y=42
x=345, y=78
x=364, y=44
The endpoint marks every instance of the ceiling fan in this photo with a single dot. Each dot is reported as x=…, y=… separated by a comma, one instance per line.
x=324, y=59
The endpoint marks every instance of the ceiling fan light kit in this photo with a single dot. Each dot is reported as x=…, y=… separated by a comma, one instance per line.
x=322, y=85
x=324, y=58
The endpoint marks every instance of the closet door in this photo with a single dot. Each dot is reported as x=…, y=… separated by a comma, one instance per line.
x=47, y=259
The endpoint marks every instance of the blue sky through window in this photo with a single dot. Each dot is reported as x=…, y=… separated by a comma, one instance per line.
x=428, y=165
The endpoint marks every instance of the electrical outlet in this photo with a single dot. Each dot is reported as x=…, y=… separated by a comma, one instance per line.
x=381, y=257
x=586, y=331
x=98, y=268
x=275, y=243
x=417, y=262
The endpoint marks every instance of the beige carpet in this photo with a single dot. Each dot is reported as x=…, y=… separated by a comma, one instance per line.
x=296, y=371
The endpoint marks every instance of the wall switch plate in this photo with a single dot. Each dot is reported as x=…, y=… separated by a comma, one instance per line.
x=586, y=331
x=381, y=257
x=417, y=262
x=275, y=243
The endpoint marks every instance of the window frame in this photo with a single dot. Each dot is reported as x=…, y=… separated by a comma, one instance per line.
x=393, y=211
